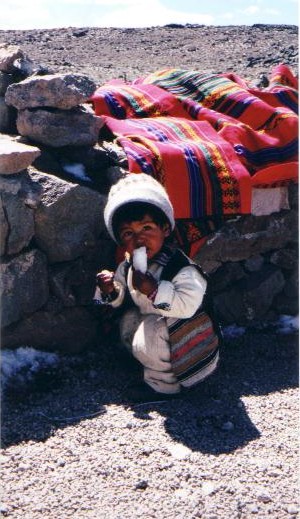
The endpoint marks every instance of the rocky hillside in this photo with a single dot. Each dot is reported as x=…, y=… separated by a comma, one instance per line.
x=105, y=53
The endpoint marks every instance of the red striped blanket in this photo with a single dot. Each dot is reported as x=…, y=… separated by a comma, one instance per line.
x=208, y=138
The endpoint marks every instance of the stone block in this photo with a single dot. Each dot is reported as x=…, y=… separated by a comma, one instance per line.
x=16, y=156
x=69, y=218
x=63, y=91
x=19, y=196
x=70, y=331
x=250, y=299
x=24, y=286
x=76, y=127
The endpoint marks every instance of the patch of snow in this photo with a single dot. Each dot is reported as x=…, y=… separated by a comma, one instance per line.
x=233, y=330
x=77, y=170
x=23, y=363
x=287, y=324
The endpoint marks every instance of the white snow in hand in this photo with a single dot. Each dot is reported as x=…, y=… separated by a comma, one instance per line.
x=140, y=259
x=21, y=364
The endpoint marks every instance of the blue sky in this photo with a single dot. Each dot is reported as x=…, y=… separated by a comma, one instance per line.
x=44, y=14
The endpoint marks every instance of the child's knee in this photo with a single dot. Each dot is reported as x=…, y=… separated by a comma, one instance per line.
x=129, y=323
x=150, y=343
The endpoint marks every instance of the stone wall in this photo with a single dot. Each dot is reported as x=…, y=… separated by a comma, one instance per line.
x=55, y=175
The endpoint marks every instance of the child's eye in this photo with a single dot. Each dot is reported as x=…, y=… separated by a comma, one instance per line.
x=126, y=234
x=147, y=227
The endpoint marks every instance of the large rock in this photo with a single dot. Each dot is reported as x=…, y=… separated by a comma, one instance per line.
x=71, y=330
x=24, y=285
x=69, y=218
x=5, y=81
x=63, y=91
x=250, y=299
x=16, y=156
x=19, y=196
x=5, y=116
x=76, y=127
x=269, y=200
x=73, y=283
x=4, y=228
x=248, y=236
x=8, y=56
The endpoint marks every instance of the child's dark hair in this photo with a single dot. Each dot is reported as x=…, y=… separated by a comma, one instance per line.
x=134, y=211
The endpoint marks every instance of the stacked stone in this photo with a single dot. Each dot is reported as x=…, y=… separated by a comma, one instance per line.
x=53, y=239
x=253, y=261
x=9, y=57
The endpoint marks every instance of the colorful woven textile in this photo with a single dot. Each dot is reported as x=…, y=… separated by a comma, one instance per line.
x=208, y=138
x=194, y=348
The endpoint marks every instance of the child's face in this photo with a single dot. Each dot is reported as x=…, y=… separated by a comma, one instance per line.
x=144, y=232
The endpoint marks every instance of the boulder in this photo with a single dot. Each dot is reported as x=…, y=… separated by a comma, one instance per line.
x=286, y=258
x=24, y=285
x=63, y=91
x=68, y=219
x=76, y=127
x=8, y=55
x=71, y=330
x=73, y=283
x=269, y=200
x=8, y=117
x=5, y=81
x=250, y=299
x=248, y=236
x=4, y=228
x=16, y=156
x=19, y=196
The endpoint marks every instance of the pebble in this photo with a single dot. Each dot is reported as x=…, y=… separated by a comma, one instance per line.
x=208, y=488
x=227, y=426
x=180, y=452
x=292, y=509
x=60, y=463
x=264, y=497
x=3, y=509
x=141, y=485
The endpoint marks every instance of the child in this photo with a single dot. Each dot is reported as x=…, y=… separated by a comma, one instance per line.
x=167, y=329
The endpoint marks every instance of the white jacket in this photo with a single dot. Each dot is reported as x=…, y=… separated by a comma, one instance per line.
x=181, y=297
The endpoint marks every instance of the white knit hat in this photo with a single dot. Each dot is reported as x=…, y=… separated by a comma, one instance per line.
x=137, y=187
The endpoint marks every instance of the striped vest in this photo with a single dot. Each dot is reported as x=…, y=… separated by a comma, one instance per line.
x=195, y=341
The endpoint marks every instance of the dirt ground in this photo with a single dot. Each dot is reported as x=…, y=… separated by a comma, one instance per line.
x=72, y=446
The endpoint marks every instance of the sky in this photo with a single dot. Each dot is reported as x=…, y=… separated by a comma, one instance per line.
x=47, y=14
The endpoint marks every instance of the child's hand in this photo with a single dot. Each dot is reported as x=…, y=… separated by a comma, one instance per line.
x=145, y=283
x=105, y=281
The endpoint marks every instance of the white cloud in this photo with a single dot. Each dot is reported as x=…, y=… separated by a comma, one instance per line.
x=272, y=12
x=227, y=16
x=14, y=15
x=140, y=14
x=252, y=9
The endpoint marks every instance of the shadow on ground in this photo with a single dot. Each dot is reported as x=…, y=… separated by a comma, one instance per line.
x=211, y=418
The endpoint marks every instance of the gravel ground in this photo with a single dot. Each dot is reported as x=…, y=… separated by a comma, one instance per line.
x=72, y=446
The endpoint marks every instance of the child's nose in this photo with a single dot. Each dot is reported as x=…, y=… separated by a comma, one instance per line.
x=139, y=239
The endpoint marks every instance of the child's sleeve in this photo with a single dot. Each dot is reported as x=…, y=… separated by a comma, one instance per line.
x=182, y=296
x=120, y=287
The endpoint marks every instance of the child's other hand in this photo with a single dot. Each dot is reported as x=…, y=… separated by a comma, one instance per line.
x=105, y=281
x=145, y=283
